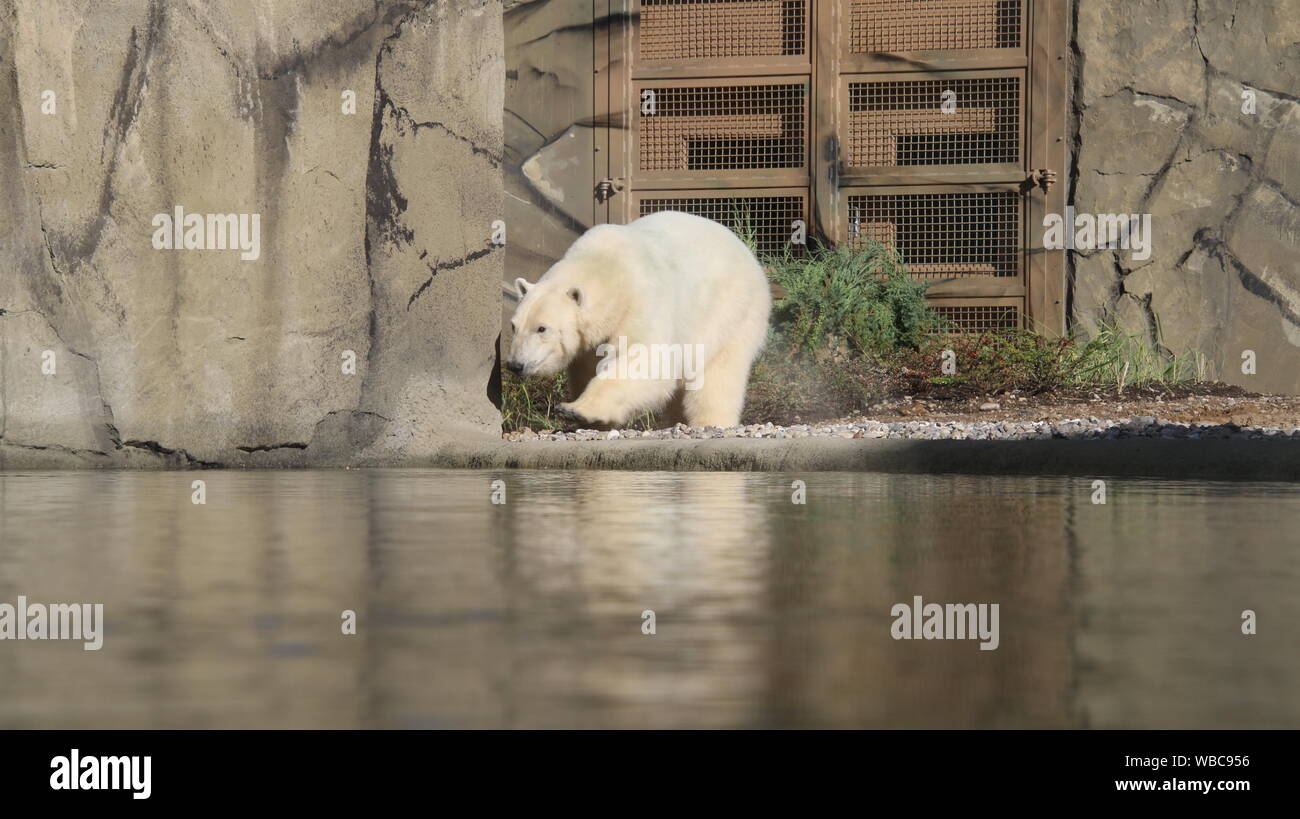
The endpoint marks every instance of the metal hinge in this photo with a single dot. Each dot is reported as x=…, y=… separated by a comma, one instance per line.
x=1042, y=178
x=606, y=188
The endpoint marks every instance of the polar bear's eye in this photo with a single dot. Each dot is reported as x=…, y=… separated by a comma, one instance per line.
x=541, y=329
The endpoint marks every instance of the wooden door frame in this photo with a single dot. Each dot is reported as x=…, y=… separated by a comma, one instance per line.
x=1048, y=103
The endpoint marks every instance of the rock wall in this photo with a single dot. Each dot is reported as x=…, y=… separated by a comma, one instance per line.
x=549, y=131
x=365, y=136
x=1189, y=110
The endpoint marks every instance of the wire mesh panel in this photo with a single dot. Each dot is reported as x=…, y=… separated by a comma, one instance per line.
x=908, y=122
x=955, y=121
x=980, y=318
x=768, y=219
x=943, y=235
x=877, y=26
x=722, y=29
x=722, y=127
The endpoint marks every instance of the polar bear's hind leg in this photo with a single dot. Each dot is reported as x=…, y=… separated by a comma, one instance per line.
x=719, y=399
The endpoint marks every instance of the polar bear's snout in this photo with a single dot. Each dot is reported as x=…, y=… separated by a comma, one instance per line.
x=532, y=353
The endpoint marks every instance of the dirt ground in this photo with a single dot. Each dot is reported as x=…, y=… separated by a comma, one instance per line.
x=1205, y=403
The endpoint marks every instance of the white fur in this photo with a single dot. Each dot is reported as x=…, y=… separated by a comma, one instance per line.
x=667, y=278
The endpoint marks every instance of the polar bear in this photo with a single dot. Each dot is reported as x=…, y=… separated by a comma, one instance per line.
x=669, y=289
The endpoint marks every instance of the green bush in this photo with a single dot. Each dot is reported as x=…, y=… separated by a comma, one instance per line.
x=1023, y=361
x=856, y=299
x=991, y=363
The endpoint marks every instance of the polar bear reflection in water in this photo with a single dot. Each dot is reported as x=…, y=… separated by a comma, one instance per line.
x=669, y=282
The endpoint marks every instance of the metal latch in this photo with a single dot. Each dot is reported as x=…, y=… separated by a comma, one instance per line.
x=606, y=188
x=1042, y=178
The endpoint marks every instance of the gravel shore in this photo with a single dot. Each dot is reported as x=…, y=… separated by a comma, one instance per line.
x=1090, y=428
x=1204, y=411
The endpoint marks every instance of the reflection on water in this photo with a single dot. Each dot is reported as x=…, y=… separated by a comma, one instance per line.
x=529, y=614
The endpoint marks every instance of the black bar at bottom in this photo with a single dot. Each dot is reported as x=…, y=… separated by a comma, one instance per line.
x=545, y=771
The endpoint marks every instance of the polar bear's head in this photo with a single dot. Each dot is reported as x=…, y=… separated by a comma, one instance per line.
x=546, y=328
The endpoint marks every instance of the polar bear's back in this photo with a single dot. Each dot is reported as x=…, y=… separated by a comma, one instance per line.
x=691, y=279
x=673, y=248
x=673, y=226
x=669, y=238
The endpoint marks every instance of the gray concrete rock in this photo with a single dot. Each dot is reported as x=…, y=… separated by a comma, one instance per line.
x=1166, y=127
x=1146, y=45
x=374, y=227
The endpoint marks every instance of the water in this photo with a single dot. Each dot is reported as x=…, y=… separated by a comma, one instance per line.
x=528, y=614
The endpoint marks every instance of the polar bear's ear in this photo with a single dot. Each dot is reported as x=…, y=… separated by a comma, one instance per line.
x=521, y=287
x=576, y=295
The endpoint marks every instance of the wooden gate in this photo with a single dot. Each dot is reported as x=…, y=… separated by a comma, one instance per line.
x=936, y=127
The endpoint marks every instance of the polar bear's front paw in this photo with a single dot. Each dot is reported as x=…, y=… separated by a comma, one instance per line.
x=568, y=413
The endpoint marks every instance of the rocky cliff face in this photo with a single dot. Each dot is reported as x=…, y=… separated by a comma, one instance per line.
x=1188, y=110
x=357, y=324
